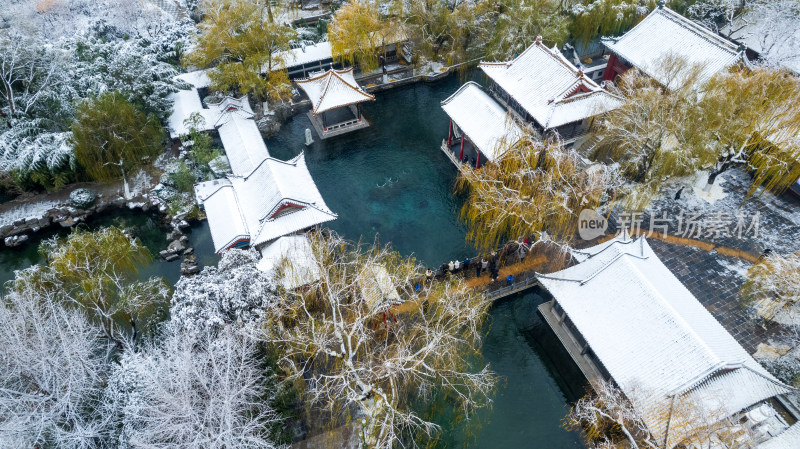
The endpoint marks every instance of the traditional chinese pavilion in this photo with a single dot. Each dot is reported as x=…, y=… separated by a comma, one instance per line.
x=335, y=97
x=545, y=89
x=665, y=33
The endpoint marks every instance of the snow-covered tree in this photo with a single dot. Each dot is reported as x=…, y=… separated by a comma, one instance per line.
x=203, y=391
x=606, y=17
x=751, y=117
x=610, y=421
x=772, y=24
x=41, y=81
x=131, y=67
x=235, y=291
x=93, y=270
x=716, y=15
x=27, y=72
x=366, y=342
x=653, y=135
x=745, y=118
x=520, y=23
x=53, y=368
x=773, y=285
x=535, y=189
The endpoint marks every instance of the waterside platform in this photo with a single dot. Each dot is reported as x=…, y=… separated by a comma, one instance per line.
x=353, y=124
x=570, y=344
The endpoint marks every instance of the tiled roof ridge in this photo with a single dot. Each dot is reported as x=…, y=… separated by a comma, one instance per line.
x=600, y=269
x=356, y=88
x=698, y=29
x=313, y=205
x=460, y=89
x=553, y=53
x=292, y=162
x=329, y=75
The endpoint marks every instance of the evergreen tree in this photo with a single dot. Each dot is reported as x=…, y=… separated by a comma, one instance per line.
x=111, y=136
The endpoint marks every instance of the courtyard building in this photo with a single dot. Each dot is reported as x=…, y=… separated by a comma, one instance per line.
x=665, y=34
x=625, y=318
x=543, y=88
x=480, y=129
x=277, y=198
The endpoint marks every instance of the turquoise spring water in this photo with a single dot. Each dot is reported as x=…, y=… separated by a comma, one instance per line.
x=391, y=180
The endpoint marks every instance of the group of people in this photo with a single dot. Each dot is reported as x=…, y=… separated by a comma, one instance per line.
x=481, y=266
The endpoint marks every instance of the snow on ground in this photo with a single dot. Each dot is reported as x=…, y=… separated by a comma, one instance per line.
x=737, y=267
x=761, y=221
x=25, y=211
x=709, y=193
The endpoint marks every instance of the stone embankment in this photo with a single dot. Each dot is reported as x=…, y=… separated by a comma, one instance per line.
x=31, y=213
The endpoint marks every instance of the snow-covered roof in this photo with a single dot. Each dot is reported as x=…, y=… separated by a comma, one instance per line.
x=305, y=55
x=184, y=104
x=487, y=124
x=549, y=87
x=225, y=219
x=198, y=78
x=377, y=287
x=333, y=89
x=276, y=198
x=187, y=102
x=654, y=337
x=666, y=33
x=243, y=143
x=788, y=439
x=291, y=260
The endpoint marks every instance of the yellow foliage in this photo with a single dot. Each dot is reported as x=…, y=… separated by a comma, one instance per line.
x=241, y=41
x=357, y=34
x=534, y=188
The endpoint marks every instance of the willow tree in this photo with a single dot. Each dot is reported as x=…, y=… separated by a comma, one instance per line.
x=654, y=135
x=241, y=40
x=773, y=285
x=592, y=18
x=358, y=34
x=535, y=189
x=368, y=344
x=516, y=29
x=452, y=32
x=111, y=137
x=95, y=271
x=750, y=117
x=743, y=117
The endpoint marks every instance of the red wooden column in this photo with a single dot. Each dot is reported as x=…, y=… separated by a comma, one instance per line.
x=450, y=133
x=478, y=162
x=610, y=73
x=463, y=138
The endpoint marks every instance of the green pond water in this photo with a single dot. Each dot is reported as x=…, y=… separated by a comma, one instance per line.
x=391, y=180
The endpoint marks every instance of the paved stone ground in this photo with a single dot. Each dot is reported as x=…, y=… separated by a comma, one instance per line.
x=715, y=280
x=778, y=216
